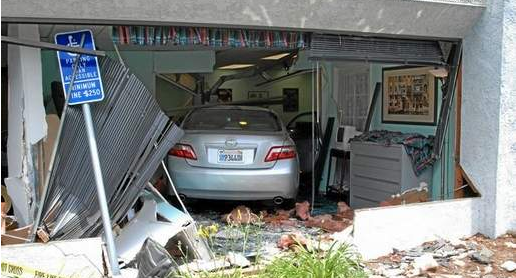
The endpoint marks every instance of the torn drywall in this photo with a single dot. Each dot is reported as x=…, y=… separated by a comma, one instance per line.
x=27, y=125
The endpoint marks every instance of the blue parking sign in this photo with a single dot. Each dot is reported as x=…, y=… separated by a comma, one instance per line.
x=87, y=85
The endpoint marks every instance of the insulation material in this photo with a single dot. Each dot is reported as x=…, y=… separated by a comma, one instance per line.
x=133, y=136
x=48, y=143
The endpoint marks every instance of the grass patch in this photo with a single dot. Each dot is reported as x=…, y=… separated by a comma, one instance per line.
x=338, y=262
x=305, y=262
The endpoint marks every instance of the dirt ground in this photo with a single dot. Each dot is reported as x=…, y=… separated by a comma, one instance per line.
x=476, y=256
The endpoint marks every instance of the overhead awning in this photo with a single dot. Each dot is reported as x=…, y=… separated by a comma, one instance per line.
x=382, y=50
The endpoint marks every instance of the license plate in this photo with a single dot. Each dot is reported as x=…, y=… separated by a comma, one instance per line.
x=230, y=156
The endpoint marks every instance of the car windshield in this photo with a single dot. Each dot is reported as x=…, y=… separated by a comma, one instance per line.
x=232, y=119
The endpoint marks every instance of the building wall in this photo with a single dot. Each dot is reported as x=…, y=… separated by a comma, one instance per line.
x=506, y=174
x=438, y=18
x=488, y=151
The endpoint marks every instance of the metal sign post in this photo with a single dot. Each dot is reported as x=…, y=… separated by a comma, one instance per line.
x=81, y=80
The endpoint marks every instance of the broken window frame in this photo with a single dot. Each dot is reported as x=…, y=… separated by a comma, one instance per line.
x=447, y=99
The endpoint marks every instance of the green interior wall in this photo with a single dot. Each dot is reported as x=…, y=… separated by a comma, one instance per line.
x=437, y=190
x=140, y=63
x=170, y=96
x=50, y=73
x=145, y=65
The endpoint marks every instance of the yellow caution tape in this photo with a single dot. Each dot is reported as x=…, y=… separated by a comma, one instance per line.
x=16, y=271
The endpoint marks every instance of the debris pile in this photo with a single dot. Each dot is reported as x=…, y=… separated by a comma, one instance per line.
x=241, y=215
x=300, y=215
x=133, y=135
x=476, y=256
x=289, y=240
x=268, y=233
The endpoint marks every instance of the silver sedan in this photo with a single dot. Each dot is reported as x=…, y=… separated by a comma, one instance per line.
x=235, y=153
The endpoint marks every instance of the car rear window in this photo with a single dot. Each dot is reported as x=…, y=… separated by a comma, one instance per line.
x=232, y=119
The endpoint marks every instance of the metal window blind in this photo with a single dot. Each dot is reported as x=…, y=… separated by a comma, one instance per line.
x=402, y=51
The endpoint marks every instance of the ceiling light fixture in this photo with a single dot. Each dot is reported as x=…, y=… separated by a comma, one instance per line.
x=236, y=66
x=276, y=56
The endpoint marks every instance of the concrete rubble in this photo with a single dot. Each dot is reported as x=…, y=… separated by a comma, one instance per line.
x=66, y=258
x=509, y=266
x=476, y=256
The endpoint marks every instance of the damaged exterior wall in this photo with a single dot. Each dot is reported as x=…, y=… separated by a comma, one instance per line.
x=488, y=116
x=27, y=125
x=378, y=230
x=506, y=183
x=488, y=150
x=488, y=108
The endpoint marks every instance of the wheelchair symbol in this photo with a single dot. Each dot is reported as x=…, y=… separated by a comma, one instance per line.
x=72, y=43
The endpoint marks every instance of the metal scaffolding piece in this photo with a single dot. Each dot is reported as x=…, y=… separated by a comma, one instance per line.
x=46, y=45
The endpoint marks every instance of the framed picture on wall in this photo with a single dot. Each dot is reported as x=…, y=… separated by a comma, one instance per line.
x=257, y=94
x=290, y=99
x=409, y=96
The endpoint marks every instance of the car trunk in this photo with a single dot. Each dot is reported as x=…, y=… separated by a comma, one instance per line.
x=232, y=149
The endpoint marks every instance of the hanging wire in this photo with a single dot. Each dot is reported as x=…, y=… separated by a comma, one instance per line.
x=174, y=188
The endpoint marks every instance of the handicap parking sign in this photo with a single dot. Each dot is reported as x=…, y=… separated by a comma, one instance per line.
x=87, y=85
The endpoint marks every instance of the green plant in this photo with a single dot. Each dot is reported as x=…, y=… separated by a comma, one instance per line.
x=232, y=274
x=337, y=262
x=238, y=236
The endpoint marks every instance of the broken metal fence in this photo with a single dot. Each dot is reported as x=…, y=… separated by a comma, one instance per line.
x=133, y=137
